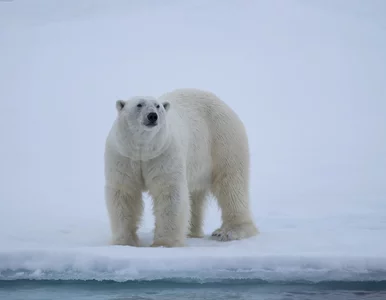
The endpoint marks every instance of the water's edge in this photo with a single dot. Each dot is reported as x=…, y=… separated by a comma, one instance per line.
x=192, y=283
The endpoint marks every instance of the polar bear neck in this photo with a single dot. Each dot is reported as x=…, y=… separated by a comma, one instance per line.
x=141, y=145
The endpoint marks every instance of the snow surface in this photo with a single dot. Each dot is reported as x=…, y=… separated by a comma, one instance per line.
x=306, y=77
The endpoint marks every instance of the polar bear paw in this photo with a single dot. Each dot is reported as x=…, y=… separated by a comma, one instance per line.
x=126, y=240
x=167, y=243
x=196, y=234
x=234, y=232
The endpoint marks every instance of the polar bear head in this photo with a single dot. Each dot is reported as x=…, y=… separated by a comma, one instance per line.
x=141, y=127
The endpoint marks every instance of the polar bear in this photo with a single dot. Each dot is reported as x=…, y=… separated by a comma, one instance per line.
x=180, y=148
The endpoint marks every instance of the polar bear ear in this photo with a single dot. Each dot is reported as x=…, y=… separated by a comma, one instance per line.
x=166, y=105
x=120, y=104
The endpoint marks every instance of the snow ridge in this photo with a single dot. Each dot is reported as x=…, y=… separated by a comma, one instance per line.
x=122, y=264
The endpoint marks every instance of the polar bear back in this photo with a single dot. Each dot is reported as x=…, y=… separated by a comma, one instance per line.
x=210, y=134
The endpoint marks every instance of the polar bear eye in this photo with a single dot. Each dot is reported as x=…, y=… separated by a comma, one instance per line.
x=139, y=105
x=158, y=106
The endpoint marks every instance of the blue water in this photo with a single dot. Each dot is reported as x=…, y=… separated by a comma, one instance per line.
x=235, y=289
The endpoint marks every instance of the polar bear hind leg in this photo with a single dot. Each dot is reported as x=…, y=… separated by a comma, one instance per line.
x=231, y=192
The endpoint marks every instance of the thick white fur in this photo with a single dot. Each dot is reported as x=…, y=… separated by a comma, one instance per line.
x=198, y=147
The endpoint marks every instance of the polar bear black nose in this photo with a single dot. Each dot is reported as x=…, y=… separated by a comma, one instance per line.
x=152, y=117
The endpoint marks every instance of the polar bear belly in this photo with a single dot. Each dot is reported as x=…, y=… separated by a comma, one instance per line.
x=199, y=161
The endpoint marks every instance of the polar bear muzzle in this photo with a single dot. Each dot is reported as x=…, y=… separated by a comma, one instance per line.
x=152, y=119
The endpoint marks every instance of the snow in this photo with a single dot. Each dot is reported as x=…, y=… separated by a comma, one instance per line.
x=307, y=79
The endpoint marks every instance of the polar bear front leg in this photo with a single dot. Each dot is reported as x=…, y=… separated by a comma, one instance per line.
x=197, y=207
x=171, y=211
x=125, y=210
